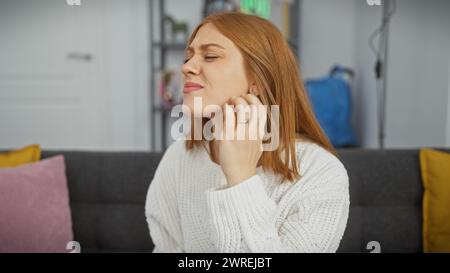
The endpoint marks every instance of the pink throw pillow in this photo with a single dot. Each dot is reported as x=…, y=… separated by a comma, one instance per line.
x=34, y=207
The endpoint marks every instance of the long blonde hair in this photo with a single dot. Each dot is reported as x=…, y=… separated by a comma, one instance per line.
x=269, y=61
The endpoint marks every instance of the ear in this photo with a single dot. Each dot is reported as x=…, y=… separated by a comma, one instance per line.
x=253, y=90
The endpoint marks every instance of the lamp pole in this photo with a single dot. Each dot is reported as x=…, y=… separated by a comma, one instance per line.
x=382, y=52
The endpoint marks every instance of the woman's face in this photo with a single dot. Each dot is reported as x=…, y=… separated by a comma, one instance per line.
x=214, y=62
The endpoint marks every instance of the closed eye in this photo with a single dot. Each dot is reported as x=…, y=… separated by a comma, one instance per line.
x=210, y=57
x=206, y=57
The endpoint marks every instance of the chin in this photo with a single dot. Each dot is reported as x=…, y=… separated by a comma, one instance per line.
x=188, y=100
x=193, y=112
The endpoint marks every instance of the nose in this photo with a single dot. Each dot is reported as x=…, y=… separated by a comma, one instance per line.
x=190, y=68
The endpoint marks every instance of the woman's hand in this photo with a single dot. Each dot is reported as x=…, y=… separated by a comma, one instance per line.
x=240, y=148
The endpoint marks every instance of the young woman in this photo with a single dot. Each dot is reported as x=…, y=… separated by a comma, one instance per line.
x=224, y=195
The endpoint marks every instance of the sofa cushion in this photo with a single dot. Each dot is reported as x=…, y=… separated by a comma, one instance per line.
x=34, y=207
x=21, y=156
x=435, y=168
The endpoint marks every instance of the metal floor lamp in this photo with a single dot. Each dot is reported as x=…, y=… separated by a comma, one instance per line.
x=381, y=53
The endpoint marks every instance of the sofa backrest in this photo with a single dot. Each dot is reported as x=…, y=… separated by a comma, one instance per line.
x=107, y=196
x=108, y=191
x=386, y=200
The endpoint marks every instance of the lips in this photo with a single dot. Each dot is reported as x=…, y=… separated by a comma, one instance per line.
x=191, y=87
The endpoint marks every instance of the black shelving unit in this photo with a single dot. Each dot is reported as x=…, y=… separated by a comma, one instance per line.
x=159, y=112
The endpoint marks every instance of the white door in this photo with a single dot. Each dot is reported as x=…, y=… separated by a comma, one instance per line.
x=51, y=90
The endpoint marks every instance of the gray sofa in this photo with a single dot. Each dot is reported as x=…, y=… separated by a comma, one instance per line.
x=108, y=191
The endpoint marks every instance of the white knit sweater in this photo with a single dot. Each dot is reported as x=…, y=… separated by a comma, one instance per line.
x=188, y=209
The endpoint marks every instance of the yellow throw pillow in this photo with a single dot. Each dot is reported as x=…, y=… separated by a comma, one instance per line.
x=22, y=156
x=435, y=168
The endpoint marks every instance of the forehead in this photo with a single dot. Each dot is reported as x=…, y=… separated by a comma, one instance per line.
x=208, y=34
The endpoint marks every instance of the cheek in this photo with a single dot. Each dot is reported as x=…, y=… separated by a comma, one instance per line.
x=224, y=83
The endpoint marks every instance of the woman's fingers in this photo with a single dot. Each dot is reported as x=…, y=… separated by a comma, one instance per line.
x=255, y=105
x=229, y=121
x=259, y=115
x=243, y=117
x=250, y=117
x=252, y=99
x=242, y=109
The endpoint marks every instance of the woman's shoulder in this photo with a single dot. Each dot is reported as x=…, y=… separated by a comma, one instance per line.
x=166, y=173
x=177, y=146
x=173, y=154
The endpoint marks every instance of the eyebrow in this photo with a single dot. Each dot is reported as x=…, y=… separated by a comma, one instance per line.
x=203, y=47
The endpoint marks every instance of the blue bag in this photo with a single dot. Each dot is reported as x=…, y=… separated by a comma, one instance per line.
x=331, y=102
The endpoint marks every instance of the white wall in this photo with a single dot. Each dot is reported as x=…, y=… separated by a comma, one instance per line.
x=327, y=37
x=418, y=80
x=106, y=107
x=331, y=31
x=126, y=68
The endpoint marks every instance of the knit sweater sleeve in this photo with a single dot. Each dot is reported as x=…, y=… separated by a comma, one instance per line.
x=245, y=219
x=161, y=207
